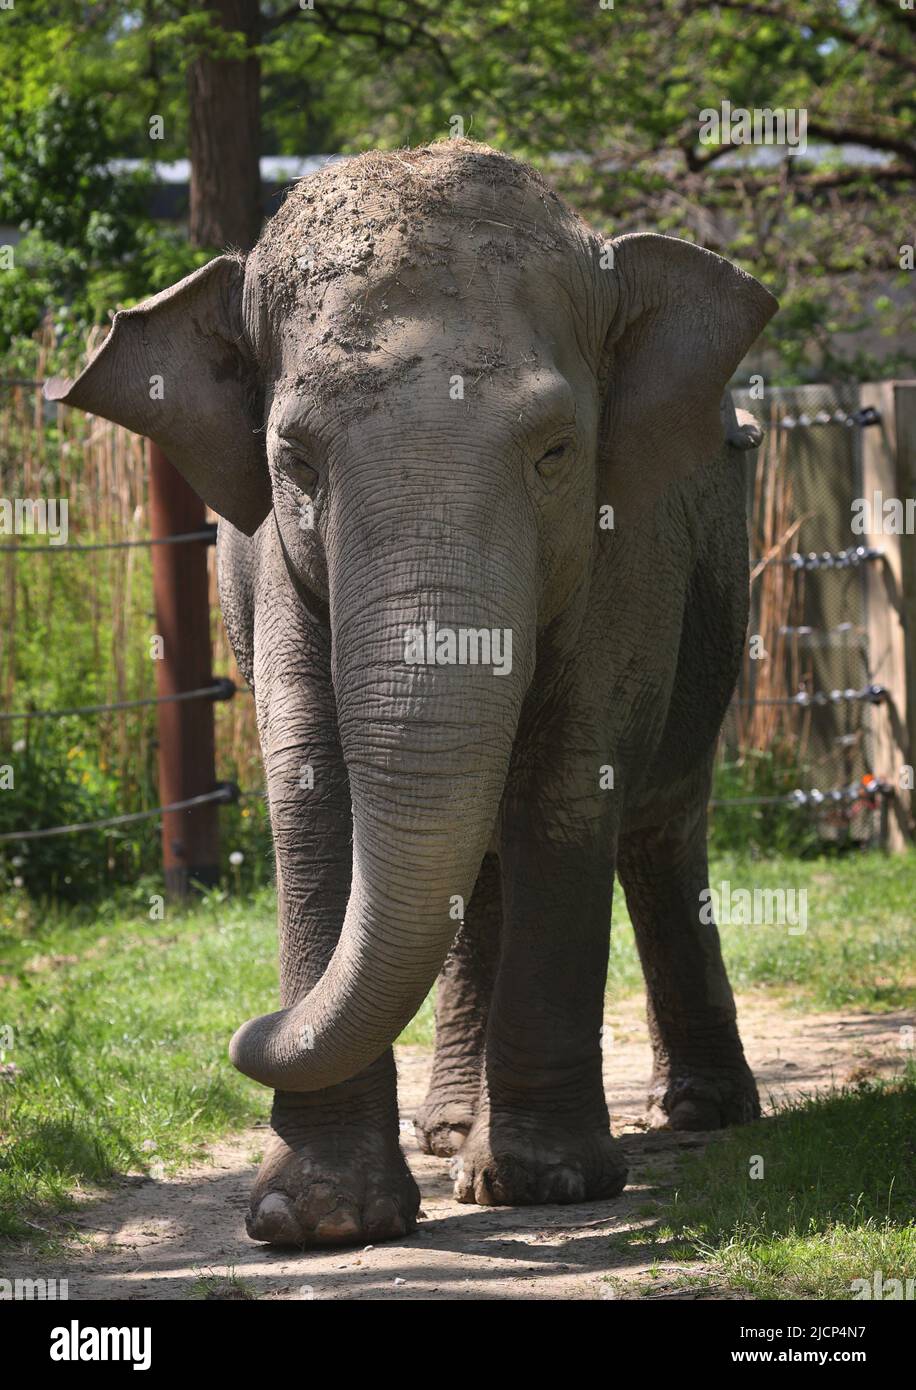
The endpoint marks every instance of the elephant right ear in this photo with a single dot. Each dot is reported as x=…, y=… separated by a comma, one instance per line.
x=682, y=321
x=175, y=369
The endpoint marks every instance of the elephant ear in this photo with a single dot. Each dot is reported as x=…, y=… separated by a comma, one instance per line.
x=684, y=319
x=175, y=369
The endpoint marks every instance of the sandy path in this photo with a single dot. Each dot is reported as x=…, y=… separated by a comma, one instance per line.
x=153, y=1239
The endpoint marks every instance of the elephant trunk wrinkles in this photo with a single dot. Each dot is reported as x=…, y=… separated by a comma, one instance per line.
x=427, y=749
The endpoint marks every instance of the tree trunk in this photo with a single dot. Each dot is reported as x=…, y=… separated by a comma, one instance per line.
x=225, y=119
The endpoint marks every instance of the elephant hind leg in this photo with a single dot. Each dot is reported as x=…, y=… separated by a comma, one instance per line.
x=463, y=994
x=700, y=1077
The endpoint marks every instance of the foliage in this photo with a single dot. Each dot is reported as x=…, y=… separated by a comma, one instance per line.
x=763, y=829
x=59, y=785
x=619, y=88
x=86, y=242
x=94, y=767
x=55, y=180
x=59, y=782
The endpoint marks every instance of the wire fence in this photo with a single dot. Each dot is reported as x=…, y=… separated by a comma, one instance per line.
x=226, y=792
x=77, y=694
x=208, y=535
x=223, y=689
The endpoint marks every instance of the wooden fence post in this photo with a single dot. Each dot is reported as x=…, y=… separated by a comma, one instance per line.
x=886, y=608
x=905, y=416
x=190, y=839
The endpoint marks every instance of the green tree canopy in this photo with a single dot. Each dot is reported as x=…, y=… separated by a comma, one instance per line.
x=616, y=91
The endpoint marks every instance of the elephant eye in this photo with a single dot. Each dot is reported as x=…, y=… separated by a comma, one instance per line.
x=291, y=463
x=550, y=464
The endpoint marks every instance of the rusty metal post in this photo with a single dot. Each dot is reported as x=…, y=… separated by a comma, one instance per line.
x=190, y=839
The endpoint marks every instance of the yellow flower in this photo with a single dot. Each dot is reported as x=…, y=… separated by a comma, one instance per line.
x=74, y=752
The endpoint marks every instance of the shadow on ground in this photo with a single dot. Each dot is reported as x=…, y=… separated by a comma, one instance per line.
x=151, y=1239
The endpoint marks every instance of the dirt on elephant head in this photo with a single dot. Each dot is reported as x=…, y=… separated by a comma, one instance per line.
x=336, y=221
x=356, y=244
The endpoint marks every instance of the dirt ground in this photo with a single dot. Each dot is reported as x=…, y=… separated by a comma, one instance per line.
x=151, y=1239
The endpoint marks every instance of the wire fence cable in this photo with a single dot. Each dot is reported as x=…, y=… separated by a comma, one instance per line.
x=223, y=689
x=226, y=792
x=209, y=535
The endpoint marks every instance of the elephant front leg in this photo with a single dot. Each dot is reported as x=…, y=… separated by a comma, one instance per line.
x=542, y=1131
x=700, y=1078
x=463, y=993
x=332, y=1172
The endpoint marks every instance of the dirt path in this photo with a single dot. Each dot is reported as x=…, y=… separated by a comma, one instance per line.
x=154, y=1239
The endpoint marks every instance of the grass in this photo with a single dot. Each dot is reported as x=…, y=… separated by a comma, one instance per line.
x=120, y=1024
x=859, y=948
x=120, y=1027
x=834, y=1203
x=212, y=1287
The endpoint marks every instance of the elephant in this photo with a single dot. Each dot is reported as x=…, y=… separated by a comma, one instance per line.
x=483, y=559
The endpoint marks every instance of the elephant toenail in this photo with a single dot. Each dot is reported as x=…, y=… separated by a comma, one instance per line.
x=570, y=1186
x=694, y=1115
x=383, y=1217
x=338, y=1227
x=274, y=1221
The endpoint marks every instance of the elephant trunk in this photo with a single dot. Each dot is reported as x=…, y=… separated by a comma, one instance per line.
x=431, y=660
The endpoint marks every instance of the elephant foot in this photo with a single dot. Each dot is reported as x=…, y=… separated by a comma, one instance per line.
x=524, y=1162
x=699, y=1100
x=442, y=1127
x=324, y=1191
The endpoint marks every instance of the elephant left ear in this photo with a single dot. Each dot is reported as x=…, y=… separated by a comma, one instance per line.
x=175, y=368
x=683, y=319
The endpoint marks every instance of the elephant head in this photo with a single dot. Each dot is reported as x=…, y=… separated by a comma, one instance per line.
x=429, y=376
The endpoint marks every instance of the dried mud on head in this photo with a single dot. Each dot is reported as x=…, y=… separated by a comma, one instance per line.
x=335, y=218
x=356, y=245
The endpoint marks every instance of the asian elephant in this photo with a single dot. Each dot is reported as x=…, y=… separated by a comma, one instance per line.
x=483, y=558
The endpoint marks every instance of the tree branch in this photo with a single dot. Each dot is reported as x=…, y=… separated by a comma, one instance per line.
x=854, y=135
x=335, y=19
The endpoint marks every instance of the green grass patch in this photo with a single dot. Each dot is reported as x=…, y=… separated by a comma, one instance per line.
x=230, y=1287
x=119, y=1034
x=858, y=949
x=834, y=1201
